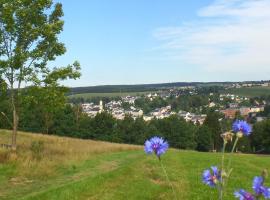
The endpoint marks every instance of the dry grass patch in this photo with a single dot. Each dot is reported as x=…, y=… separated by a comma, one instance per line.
x=55, y=151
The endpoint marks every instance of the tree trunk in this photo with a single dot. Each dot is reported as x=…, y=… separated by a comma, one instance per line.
x=47, y=122
x=14, y=133
x=15, y=121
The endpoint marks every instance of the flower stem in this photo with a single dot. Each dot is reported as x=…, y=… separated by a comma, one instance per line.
x=222, y=171
x=220, y=194
x=235, y=143
x=223, y=155
x=167, y=177
x=230, y=160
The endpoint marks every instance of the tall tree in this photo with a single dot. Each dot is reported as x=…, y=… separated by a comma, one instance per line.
x=212, y=122
x=49, y=97
x=28, y=41
x=260, y=138
x=204, y=139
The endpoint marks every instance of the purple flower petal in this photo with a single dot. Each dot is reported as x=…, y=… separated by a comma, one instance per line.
x=213, y=178
x=241, y=126
x=243, y=195
x=157, y=145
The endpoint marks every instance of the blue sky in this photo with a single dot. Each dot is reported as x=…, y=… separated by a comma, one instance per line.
x=154, y=41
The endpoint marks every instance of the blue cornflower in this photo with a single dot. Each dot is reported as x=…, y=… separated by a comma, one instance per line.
x=259, y=188
x=156, y=145
x=244, y=195
x=241, y=126
x=211, y=179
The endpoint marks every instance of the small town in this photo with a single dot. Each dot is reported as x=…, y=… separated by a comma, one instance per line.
x=228, y=104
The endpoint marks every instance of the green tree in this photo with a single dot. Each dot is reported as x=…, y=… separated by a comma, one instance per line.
x=28, y=41
x=104, y=125
x=212, y=122
x=64, y=122
x=266, y=112
x=204, y=139
x=179, y=133
x=260, y=137
x=125, y=129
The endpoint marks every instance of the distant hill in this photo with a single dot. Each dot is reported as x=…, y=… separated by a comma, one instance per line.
x=250, y=91
x=136, y=88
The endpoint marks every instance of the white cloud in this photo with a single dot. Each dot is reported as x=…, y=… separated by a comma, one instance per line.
x=230, y=36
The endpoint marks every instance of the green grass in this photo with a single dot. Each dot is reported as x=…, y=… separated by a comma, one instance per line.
x=113, y=94
x=250, y=91
x=126, y=174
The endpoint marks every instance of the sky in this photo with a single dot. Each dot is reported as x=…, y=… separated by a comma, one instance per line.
x=157, y=41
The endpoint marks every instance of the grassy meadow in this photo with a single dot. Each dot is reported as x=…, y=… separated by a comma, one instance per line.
x=250, y=91
x=83, y=169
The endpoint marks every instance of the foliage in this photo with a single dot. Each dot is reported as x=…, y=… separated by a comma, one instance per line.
x=212, y=122
x=255, y=91
x=266, y=112
x=148, y=105
x=260, y=140
x=29, y=32
x=189, y=102
x=204, y=139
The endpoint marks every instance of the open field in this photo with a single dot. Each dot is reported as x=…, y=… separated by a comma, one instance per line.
x=112, y=94
x=76, y=169
x=250, y=91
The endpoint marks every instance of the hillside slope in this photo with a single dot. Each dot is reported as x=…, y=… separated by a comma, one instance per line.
x=250, y=91
x=82, y=169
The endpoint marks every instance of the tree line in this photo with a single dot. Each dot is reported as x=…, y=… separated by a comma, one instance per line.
x=44, y=110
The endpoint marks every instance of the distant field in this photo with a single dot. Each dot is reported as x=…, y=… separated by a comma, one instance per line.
x=112, y=94
x=250, y=91
x=73, y=169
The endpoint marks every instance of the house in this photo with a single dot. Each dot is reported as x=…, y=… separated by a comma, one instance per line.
x=244, y=111
x=257, y=109
x=233, y=105
x=113, y=104
x=134, y=113
x=147, y=118
x=91, y=110
x=211, y=104
x=198, y=119
x=230, y=112
x=265, y=84
x=259, y=119
x=186, y=115
x=118, y=113
x=129, y=99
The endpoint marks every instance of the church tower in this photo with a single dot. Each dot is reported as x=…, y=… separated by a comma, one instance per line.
x=100, y=106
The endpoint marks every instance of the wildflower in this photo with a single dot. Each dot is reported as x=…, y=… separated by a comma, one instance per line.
x=244, y=195
x=259, y=188
x=241, y=127
x=156, y=145
x=227, y=137
x=211, y=179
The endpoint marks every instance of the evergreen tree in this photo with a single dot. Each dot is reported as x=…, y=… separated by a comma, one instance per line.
x=204, y=139
x=212, y=122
